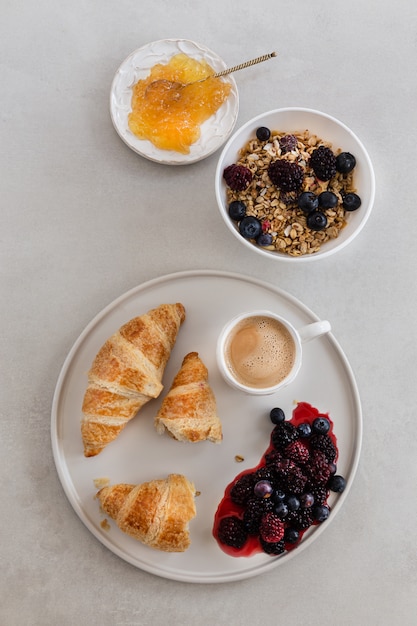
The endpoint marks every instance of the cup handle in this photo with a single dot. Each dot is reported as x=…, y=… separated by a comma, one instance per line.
x=316, y=329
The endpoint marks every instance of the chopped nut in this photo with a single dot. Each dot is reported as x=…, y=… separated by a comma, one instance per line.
x=239, y=458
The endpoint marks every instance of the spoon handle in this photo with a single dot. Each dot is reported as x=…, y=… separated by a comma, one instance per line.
x=241, y=66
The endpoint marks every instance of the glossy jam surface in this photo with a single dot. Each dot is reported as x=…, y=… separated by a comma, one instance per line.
x=303, y=412
x=168, y=116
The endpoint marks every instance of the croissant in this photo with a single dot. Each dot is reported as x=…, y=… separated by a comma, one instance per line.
x=156, y=513
x=127, y=373
x=188, y=412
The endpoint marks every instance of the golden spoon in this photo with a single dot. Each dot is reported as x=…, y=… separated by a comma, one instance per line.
x=170, y=84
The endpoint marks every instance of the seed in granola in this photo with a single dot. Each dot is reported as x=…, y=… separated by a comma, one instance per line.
x=316, y=220
x=351, y=202
x=237, y=177
x=286, y=175
x=323, y=162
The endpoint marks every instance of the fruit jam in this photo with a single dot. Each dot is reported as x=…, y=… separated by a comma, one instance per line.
x=168, y=116
x=302, y=414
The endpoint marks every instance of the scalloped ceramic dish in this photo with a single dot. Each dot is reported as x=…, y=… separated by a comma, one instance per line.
x=327, y=128
x=214, y=132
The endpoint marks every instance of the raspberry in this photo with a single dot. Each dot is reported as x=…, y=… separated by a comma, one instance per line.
x=272, y=528
x=283, y=434
x=274, y=549
x=325, y=445
x=242, y=490
x=286, y=175
x=231, y=532
x=237, y=177
x=323, y=162
x=297, y=451
x=287, y=143
x=318, y=469
x=290, y=476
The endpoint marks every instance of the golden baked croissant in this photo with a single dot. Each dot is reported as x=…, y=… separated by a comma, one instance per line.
x=188, y=412
x=156, y=513
x=127, y=373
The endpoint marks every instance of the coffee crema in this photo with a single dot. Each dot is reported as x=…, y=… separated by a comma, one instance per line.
x=260, y=352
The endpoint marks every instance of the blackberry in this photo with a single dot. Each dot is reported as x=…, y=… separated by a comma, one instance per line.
x=318, y=468
x=274, y=549
x=290, y=476
x=272, y=457
x=325, y=445
x=283, y=434
x=265, y=473
x=242, y=490
x=237, y=177
x=320, y=493
x=255, y=509
x=297, y=451
x=300, y=519
x=285, y=175
x=231, y=532
x=271, y=528
x=323, y=163
x=287, y=143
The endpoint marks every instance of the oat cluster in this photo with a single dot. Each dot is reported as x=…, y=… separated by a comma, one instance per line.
x=277, y=210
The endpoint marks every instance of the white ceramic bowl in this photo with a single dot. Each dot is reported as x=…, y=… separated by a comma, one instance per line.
x=328, y=129
x=214, y=131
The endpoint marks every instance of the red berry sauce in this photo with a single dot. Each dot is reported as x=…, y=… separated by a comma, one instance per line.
x=303, y=412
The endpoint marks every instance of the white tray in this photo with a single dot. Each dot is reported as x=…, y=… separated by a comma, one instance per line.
x=140, y=454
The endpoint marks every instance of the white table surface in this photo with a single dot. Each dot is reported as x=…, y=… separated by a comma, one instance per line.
x=84, y=219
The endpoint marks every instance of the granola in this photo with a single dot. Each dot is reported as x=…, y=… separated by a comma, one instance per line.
x=278, y=211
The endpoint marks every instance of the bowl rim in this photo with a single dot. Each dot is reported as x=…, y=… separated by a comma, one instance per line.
x=279, y=256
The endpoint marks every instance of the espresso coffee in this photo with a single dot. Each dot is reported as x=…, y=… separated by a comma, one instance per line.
x=260, y=352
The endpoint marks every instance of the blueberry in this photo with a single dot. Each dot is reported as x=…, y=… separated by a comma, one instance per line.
x=291, y=535
x=265, y=239
x=278, y=495
x=345, y=162
x=293, y=503
x=337, y=483
x=351, y=202
x=304, y=430
x=333, y=468
x=237, y=210
x=321, y=512
x=263, y=489
x=263, y=133
x=316, y=220
x=306, y=500
x=250, y=227
x=321, y=425
x=281, y=510
x=327, y=200
x=308, y=201
x=277, y=415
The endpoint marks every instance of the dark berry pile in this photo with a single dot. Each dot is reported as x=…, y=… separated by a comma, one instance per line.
x=274, y=504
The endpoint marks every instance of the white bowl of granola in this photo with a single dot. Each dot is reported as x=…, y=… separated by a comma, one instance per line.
x=295, y=184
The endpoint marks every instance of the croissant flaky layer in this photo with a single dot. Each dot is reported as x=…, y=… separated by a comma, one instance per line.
x=157, y=513
x=126, y=373
x=189, y=412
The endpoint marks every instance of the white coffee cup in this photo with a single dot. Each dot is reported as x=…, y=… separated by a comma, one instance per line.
x=259, y=352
